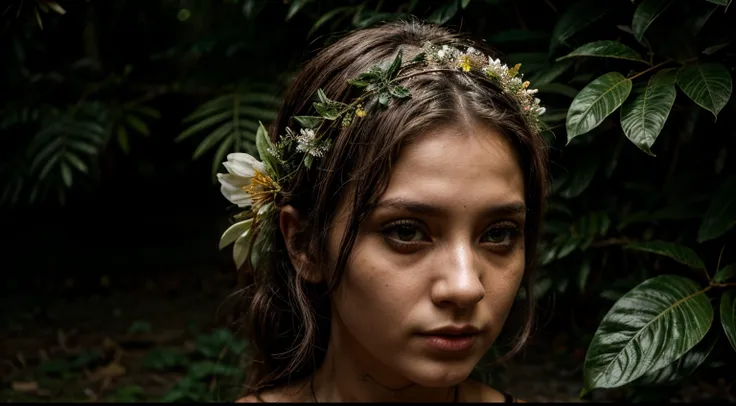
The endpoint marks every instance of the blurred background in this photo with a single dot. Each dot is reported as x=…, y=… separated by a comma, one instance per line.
x=116, y=115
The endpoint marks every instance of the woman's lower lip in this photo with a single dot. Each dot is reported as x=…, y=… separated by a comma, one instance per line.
x=450, y=343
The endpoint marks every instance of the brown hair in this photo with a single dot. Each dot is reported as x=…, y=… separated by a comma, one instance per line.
x=288, y=319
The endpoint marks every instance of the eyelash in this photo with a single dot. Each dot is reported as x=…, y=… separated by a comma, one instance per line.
x=513, y=232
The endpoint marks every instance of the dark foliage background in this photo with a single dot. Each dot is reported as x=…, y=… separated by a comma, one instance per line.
x=116, y=115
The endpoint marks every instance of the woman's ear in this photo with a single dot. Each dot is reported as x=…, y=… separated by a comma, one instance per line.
x=292, y=229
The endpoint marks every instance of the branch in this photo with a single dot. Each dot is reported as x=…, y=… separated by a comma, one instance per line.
x=650, y=69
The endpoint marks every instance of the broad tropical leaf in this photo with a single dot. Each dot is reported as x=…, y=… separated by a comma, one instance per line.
x=679, y=253
x=643, y=331
x=709, y=85
x=605, y=49
x=728, y=316
x=232, y=121
x=724, y=274
x=721, y=214
x=683, y=367
x=643, y=116
x=595, y=102
x=645, y=14
x=576, y=18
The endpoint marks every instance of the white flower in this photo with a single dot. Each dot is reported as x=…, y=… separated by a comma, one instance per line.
x=242, y=168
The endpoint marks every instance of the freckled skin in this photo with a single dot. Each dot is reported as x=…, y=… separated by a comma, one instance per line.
x=387, y=295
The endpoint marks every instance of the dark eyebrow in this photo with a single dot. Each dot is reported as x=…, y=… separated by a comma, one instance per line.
x=506, y=209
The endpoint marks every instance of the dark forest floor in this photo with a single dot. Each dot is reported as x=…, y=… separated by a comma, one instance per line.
x=165, y=341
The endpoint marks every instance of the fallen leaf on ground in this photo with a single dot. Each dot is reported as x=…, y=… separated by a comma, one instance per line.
x=25, y=386
x=113, y=370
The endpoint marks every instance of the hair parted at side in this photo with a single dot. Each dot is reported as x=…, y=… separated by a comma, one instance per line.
x=287, y=319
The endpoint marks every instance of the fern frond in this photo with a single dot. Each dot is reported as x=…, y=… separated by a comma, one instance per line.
x=230, y=122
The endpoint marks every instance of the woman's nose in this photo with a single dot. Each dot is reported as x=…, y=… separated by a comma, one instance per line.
x=460, y=283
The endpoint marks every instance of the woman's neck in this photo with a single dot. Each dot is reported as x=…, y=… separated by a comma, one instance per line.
x=350, y=374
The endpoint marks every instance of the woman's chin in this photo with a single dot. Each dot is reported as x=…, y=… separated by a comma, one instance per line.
x=441, y=375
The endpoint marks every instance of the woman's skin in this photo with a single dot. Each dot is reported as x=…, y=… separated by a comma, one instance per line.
x=443, y=248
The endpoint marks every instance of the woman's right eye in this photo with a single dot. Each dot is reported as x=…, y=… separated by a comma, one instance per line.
x=405, y=234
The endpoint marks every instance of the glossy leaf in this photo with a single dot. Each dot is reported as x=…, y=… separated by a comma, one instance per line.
x=645, y=331
x=683, y=367
x=679, y=253
x=644, y=116
x=444, y=13
x=709, y=85
x=296, y=5
x=264, y=147
x=595, y=102
x=724, y=274
x=728, y=315
x=645, y=14
x=719, y=2
x=605, y=49
x=721, y=214
x=576, y=18
x=241, y=247
x=234, y=232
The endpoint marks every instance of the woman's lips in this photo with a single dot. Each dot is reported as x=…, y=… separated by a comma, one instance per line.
x=450, y=342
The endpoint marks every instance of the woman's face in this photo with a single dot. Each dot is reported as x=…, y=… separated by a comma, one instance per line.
x=437, y=265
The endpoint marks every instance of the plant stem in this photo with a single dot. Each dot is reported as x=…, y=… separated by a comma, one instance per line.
x=724, y=285
x=649, y=69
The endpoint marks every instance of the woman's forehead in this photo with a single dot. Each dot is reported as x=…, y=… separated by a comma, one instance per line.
x=458, y=166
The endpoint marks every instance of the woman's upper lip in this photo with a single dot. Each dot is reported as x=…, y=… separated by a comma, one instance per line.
x=452, y=330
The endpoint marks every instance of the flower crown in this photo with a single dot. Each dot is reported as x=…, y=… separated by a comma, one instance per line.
x=255, y=185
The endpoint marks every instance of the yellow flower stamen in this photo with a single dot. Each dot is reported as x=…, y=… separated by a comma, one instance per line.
x=360, y=112
x=525, y=84
x=262, y=189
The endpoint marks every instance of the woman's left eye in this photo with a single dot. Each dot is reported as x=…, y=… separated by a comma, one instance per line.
x=500, y=235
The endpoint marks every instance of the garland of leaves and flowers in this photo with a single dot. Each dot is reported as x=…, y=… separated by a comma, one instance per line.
x=256, y=185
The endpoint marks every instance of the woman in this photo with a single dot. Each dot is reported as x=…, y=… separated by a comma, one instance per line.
x=390, y=222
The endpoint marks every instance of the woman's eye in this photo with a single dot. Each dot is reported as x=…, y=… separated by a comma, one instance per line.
x=406, y=233
x=501, y=235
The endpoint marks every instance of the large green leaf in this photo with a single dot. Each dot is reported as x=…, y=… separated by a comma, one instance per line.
x=679, y=253
x=728, y=316
x=576, y=18
x=595, y=102
x=644, y=331
x=683, y=367
x=721, y=214
x=707, y=84
x=724, y=274
x=643, y=116
x=605, y=49
x=444, y=13
x=645, y=14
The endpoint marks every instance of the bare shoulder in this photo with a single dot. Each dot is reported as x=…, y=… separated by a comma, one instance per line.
x=474, y=391
x=294, y=392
